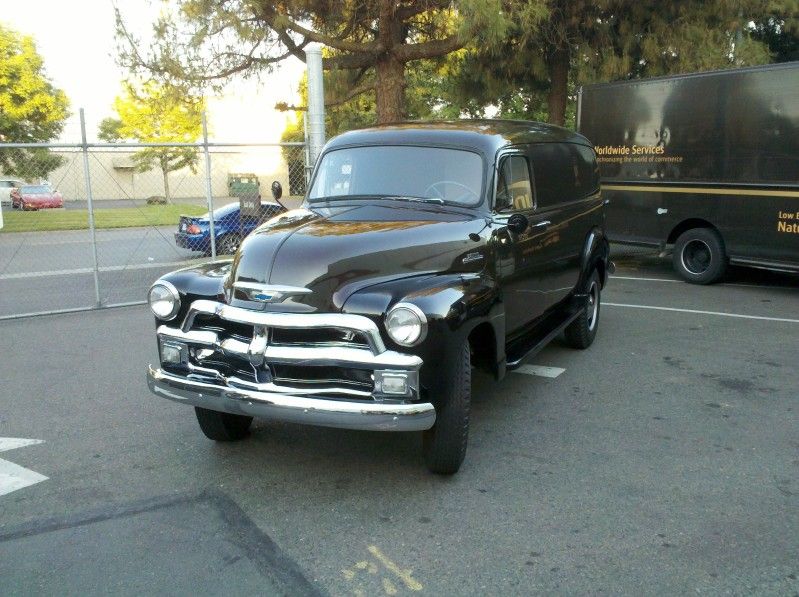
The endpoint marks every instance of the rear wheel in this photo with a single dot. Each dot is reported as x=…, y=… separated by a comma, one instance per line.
x=581, y=332
x=699, y=256
x=228, y=244
x=444, y=445
x=222, y=427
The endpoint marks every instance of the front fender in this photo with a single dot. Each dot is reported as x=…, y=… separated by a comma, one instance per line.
x=202, y=281
x=454, y=304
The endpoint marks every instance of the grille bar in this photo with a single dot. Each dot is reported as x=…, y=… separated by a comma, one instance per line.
x=340, y=321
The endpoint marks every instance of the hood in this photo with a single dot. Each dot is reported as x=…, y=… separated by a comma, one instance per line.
x=335, y=251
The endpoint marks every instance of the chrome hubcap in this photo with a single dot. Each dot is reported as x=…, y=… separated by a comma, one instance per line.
x=696, y=256
x=593, y=306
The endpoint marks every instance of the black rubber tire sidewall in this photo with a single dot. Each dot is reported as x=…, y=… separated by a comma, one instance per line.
x=444, y=445
x=222, y=427
x=578, y=333
x=718, y=255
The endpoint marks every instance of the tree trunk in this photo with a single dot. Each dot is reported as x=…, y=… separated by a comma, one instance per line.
x=558, y=67
x=390, y=90
x=165, y=172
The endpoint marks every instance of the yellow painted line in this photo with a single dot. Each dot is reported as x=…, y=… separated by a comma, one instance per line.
x=701, y=190
x=403, y=575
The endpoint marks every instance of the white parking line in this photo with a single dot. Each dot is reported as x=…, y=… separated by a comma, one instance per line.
x=737, y=315
x=88, y=270
x=540, y=371
x=763, y=286
x=644, y=279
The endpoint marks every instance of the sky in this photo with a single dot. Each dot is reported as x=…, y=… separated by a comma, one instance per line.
x=76, y=41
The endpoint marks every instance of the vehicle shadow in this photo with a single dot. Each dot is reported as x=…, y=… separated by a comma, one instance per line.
x=345, y=459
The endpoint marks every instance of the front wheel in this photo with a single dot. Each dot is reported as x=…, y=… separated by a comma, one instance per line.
x=581, y=332
x=222, y=427
x=444, y=445
x=699, y=256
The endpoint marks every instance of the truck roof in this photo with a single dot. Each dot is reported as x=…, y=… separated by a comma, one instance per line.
x=701, y=74
x=485, y=135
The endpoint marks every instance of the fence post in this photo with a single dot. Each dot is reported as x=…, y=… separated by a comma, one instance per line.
x=208, y=192
x=306, y=150
x=316, y=99
x=89, y=201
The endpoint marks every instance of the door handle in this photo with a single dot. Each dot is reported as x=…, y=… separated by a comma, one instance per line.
x=543, y=224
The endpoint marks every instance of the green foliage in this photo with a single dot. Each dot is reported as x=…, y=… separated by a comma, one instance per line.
x=157, y=113
x=370, y=42
x=76, y=219
x=110, y=130
x=32, y=110
x=618, y=39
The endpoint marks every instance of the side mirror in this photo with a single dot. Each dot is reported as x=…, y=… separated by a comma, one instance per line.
x=277, y=190
x=518, y=223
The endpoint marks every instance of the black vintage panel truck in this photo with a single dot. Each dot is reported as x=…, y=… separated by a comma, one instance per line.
x=421, y=250
x=706, y=164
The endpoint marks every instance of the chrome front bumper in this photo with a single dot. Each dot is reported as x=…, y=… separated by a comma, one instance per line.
x=375, y=416
x=325, y=404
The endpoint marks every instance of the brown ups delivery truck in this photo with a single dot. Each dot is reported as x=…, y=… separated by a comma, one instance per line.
x=706, y=164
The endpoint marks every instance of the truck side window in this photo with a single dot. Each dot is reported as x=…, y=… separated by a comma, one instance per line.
x=588, y=170
x=514, y=191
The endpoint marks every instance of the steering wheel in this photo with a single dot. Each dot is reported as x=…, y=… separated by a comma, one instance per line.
x=433, y=187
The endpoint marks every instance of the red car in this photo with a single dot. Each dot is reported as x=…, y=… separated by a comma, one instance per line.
x=33, y=197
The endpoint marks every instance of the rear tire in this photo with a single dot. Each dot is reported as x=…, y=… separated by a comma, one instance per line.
x=581, y=332
x=228, y=244
x=444, y=445
x=700, y=256
x=222, y=427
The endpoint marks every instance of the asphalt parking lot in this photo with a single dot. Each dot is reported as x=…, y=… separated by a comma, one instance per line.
x=663, y=460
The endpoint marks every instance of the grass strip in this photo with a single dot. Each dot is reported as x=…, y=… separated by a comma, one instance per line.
x=78, y=219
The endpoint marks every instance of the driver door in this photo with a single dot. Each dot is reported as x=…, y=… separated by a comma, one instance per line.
x=526, y=259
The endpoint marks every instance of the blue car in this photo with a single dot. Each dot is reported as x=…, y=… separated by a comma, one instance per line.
x=194, y=232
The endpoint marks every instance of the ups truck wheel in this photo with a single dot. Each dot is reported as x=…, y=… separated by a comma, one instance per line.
x=222, y=427
x=581, y=332
x=444, y=445
x=699, y=256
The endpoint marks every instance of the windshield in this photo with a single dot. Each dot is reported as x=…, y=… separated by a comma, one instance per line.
x=36, y=190
x=423, y=173
x=221, y=212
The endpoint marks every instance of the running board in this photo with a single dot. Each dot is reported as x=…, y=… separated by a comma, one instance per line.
x=552, y=325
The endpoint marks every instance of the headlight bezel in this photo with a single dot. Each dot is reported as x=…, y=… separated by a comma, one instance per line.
x=417, y=313
x=172, y=293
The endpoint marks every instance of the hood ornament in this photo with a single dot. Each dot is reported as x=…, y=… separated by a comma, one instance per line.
x=266, y=293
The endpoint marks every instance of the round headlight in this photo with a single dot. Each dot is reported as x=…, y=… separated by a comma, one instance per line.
x=164, y=300
x=406, y=324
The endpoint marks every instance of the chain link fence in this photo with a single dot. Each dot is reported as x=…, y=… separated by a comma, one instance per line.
x=98, y=229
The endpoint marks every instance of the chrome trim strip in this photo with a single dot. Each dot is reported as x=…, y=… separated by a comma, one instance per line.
x=359, y=358
x=274, y=388
x=278, y=293
x=341, y=321
x=277, y=288
x=375, y=416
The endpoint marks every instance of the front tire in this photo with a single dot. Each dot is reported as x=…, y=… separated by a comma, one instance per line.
x=444, y=445
x=222, y=427
x=581, y=332
x=699, y=256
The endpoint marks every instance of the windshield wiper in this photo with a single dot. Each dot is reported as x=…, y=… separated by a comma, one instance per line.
x=414, y=199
